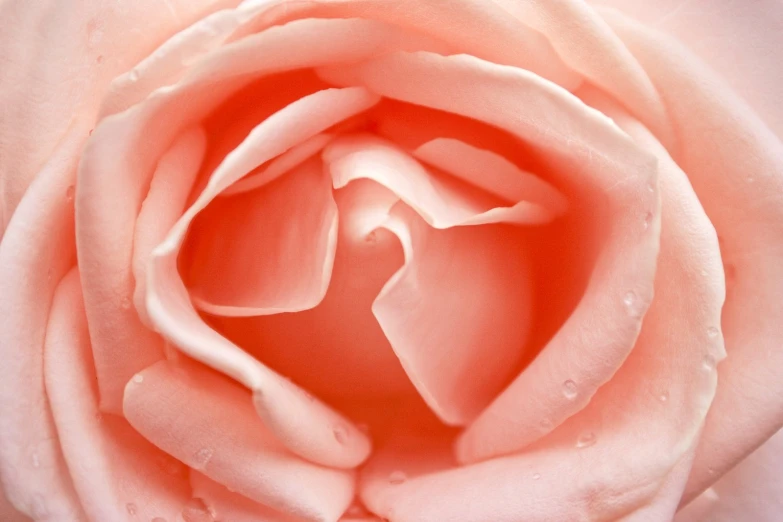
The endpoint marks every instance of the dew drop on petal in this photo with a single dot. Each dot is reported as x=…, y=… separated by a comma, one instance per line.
x=569, y=389
x=709, y=362
x=397, y=477
x=197, y=511
x=340, y=433
x=586, y=439
x=202, y=457
x=632, y=304
x=536, y=476
x=131, y=508
x=138, y=378
x=712, y=332
x=664, y=396
x=546, y=424
x=133, y=75
x=647, y=220
x=70, y=192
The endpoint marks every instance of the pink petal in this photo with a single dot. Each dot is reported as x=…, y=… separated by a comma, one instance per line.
x=742, y=45
x=337, y=350
x=233, y=506
x=490, y=171
x=305, y=426
x=603, y=168
x=443, y=203
x=114, y=470
x=41, y=45
x=223, y=437
x=734, y=163
x=165, y=202
x=268, y=251
x=753, y=490
x=457, y=314
x=130, y=144
x=35, y=253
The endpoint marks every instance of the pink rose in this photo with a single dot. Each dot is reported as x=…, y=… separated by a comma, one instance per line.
x=407, y=260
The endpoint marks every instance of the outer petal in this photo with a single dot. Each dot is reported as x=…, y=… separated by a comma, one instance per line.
x=222, y=437
x=115, y=471
x=743, y=43
x=736, y=167
x=35, y=253
x=58, y=59
x=753, y=490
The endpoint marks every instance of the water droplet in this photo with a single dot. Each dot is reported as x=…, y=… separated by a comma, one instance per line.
x=125, y=303
x=712, y=332
x=586, y=439
x=664, y=396
x=546, y=424
x=750, y=179
x=138, y=378
x=70, y=192
x=709, y=362
x=632, y=303
x=711, y=471
x=651, y=187
x=703, y=272
x=536, y=476
x=36, y=460
x=131, y=507
x=340, y=434
x=158, y=519
x=569, y=389
x=397, y=477
x=648, y=220
x=49, y=274
x=202, y=457
x=371, y=238
x=133, y=75
x=197, y=511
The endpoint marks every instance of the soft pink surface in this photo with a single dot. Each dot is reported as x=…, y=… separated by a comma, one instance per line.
x=484, y=260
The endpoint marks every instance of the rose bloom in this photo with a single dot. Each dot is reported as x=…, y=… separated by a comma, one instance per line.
x=400, y=260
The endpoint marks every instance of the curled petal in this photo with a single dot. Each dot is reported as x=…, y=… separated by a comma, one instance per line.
x=222, y=437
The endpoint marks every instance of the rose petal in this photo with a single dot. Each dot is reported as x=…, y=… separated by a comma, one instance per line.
x=42, y=44
x=266, y=252
x=747, y=60
x=753, y=490
x=115, y=471
x=457, y=313
x=615, y=180
x=35, y=253
x=734, y=163
x=490, y=171
x=443, y=203
x=231, y=506
x=222, y=437
x=171, y=183
x=129, y=144
x=305, y=426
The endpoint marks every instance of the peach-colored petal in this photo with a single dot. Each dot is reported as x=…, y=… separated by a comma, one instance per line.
x=129, y=144
x=614, y=178
x=171, y=183
x=35, y=253
x=268, y=251
x=285, y=162
x=58, y=60
x=626, y=455
x=222, y=437
x=490, y=171
x=440, y=203
x=743, y=45
x=736, y=167
x=8, y=513
x=753, y=490
x=116, y=473
x=457, y=314
x=233, y=507
x=305, y=426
